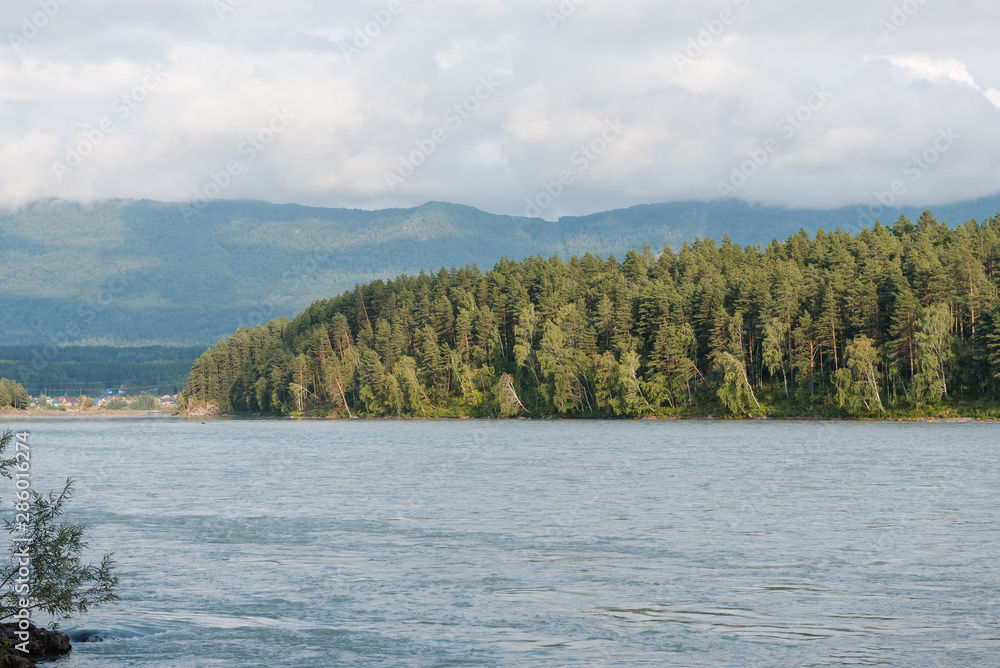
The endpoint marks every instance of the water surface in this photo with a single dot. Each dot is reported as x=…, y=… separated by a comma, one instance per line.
x=542, y=543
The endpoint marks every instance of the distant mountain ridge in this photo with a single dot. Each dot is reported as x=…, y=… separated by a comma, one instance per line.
x=125, y=272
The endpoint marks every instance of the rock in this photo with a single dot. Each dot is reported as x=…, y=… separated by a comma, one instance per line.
x=15, y=659
x=42, y=644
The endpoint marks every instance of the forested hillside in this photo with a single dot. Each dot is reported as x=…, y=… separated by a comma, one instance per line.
x=892, y=321
x=76, y=370
x=126, y=272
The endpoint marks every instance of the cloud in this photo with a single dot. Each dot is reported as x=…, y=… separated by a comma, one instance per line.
x=701, y=87
x=921, y=67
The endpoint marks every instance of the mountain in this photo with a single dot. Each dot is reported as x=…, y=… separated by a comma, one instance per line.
x=127, y=272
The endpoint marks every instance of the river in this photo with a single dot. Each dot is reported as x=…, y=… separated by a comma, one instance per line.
x=533, y=543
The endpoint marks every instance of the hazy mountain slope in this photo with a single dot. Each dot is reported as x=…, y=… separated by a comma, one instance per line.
x=125, y=272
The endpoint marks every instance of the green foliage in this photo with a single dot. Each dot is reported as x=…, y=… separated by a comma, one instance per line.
x=62, y=584
x=144, y=402
x=774, y=353
x=507, y=400
x=735, y=390
x=874, y=324
x=858, y=383
x=116, y=404
x=13, y=395
x=934, y=342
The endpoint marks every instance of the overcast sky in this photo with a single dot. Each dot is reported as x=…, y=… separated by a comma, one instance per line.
x=815, y=104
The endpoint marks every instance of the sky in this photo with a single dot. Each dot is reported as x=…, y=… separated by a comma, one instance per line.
x=522, y=107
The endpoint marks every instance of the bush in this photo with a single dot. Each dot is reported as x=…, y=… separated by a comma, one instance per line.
x=145, y=402
x=61, y=583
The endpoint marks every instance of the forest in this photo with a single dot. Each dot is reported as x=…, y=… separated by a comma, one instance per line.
x=897, y=321
x=91, y=370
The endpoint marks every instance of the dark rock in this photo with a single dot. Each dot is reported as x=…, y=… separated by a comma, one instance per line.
x=15, y=659
x=42, y=644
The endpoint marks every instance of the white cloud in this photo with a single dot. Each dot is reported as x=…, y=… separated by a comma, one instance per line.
x=923, y=67
x=361, y=105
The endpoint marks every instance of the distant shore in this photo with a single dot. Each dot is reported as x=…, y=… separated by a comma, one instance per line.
x=78, y=413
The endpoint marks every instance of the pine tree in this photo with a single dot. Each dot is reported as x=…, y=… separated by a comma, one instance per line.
x=904, y=328
x=806, y=350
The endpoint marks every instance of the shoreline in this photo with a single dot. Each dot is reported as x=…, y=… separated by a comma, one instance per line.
x=44, y=413
x=92, y=412
x=556, y=418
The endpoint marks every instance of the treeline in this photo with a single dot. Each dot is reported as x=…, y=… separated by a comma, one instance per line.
x=892, y=321
x=91, y=370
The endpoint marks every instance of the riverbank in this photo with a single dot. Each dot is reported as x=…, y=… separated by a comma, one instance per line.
x=78, y=413
x=951, y=411
x=45, y=413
